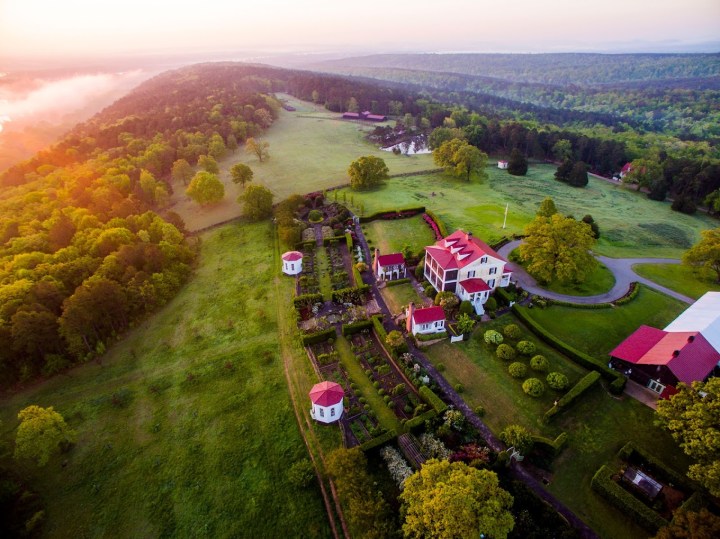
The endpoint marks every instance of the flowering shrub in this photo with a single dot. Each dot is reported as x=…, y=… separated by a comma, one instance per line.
x=398, y=468
x=433, y=447
x=471, y=453
x=429, y=220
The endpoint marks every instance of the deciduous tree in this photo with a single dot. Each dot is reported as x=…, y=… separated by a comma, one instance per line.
x=562, y=150
x=367, y=172
x=40, y=434
x=241, y=173
x=460, y=158
x=448, y=500
x=257, y=202
x=691, y=525
x=208, y=164
x=205, y=188
x=182, y=171
x=261, y=149
x=643, y=172
x=547, y=208
x=706, y=252
x=692, y=416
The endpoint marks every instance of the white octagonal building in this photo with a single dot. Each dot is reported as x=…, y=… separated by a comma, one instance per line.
x=292, y=263
x=327, y=402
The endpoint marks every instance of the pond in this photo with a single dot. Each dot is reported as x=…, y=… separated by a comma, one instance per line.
x=414, y=146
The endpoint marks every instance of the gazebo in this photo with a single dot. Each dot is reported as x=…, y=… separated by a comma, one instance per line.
x=327, y=402
x=292, y=263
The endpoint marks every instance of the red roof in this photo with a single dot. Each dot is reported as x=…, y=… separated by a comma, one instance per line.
x=460, y=249
x=428, y=315
x=326, y=394
x=637, y=345
x=626, y=168
x=695, y=361
x=392, y=259
x=292, y=256
x=474, y=285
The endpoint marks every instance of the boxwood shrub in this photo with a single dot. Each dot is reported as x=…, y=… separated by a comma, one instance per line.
x=533, y=387
x=517, y=369
x=557, y=380
x=539, y=363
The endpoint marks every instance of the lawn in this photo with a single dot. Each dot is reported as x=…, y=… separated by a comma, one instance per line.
x=597, y=425
x=391, y=236
x=692, y=282
x=400, y=296
x=598, y=331
x=186, y=428
x=310, y=150
x=630, y=224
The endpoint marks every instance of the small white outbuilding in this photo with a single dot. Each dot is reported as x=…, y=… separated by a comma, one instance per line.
x=327, y=402
x=292, y=263
x=502, y=164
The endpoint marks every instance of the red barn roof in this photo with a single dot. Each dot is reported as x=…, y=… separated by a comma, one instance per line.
x=292, y=256
x=637, y=345
x=460, y=249
x=326, y=394
x=428, y=315
x=392, y=259
x=474, y=285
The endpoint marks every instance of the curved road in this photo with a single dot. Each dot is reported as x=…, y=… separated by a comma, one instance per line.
x=621, y=269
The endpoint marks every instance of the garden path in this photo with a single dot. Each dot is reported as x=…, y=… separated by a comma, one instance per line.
x=621, y=268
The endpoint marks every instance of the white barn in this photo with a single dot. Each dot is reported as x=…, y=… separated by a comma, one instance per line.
x=327, y=402
x=292, y=263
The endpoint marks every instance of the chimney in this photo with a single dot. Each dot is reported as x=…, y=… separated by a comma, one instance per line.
x=468, y=235
x=408, y=322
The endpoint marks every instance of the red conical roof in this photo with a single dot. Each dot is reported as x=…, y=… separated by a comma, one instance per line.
x=326, y=393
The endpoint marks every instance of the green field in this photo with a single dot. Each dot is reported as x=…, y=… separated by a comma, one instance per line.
x=598, y=331
x=399, y=296
x=630, y=224
x=391, y=236
x=186, y=428
x=693, y=282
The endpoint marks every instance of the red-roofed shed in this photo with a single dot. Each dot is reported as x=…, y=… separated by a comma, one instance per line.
x=327, y=401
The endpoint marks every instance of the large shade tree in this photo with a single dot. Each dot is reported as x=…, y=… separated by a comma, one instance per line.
x=205, y=188
x=241, y=173
x=367, y=172
x=692, y=416
x=257, y=202
x=41, y=433
x=460, y=158
x=705, y=253
x=261, y=149
x=451, y=499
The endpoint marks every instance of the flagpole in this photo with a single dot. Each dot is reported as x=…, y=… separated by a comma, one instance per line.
x=506, y=212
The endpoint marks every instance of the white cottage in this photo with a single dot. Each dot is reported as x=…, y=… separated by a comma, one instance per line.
x=327, y=402
x=389, y=267
x=292, y=263
x=426, y=320
x=502, y=164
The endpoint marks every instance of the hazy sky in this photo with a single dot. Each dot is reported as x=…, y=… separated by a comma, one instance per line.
x=102, y=27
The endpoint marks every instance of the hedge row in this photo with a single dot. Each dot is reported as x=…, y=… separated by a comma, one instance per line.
x=695, y=502
x=618, y=380
x=555, y=445
x=393, y=214
x=585, y=383
x=397, y=282
x=418, y=421
x=432, y=399
x=307, y=299
x=379, y=440
x=438, y=222
x=424, y=337
x=349, y=242
x=356, y=327
x=357, y=276
x=631, y=295
x=630, y=449
x=319, y=336
x=379, y=328
x=345, y=294
x=603, y=484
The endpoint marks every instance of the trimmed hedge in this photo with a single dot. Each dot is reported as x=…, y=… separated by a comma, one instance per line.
x=695, y=502
x=357, y=276
x=397, y=282
x=432, y=399
x=419, y=421
x=425, y=337
x=307, y=299
x=630, y=449
x=438, y=222
x=356, y=327
x=402, y=213
x=618, y=380
x=340, y=296
x=319, y=336
x=555, y=446
x=349, y=242
x=585, y=383
x=379, y=440
x=603, y=484
x=379, y=328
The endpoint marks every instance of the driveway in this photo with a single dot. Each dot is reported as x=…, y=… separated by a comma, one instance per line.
x=621, y=268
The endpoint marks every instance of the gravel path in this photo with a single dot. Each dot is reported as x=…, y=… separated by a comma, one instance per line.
x=621, y=268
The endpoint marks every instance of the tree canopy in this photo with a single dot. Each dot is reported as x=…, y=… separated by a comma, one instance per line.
x=367, y=172
x=578, y=176
x=460, y=158
x=643, y=172
x=706, y=252
x=257, y=202
x=547, y=208
x=241, y=173
x=40, y=434
x=692, y=416
x=261, y=149
x=205, y=188
x=208, y=164
x=558, y=247
x=448, y=500
x=517, y=164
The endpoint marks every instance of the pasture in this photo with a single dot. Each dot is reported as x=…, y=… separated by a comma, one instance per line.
x=186, y=427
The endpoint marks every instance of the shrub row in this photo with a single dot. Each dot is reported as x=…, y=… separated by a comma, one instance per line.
x=603, y=484
x=379, y=328
x=441, y=226
x=629, y=450
x=419, y=421
x=555, y=446
x=397, y=214
x=585, y=383
x=307, y=299
x=631, y=295
x=618, y=380
x=379, y=440
x=432, y=399
x=319, y=336
x=357, y=276
x=397, y=282
x=351, y=295
x=349, y=242
x=356, y=327
x=424, y=337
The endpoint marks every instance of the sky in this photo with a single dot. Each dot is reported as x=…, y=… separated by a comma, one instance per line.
x=105, y=28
